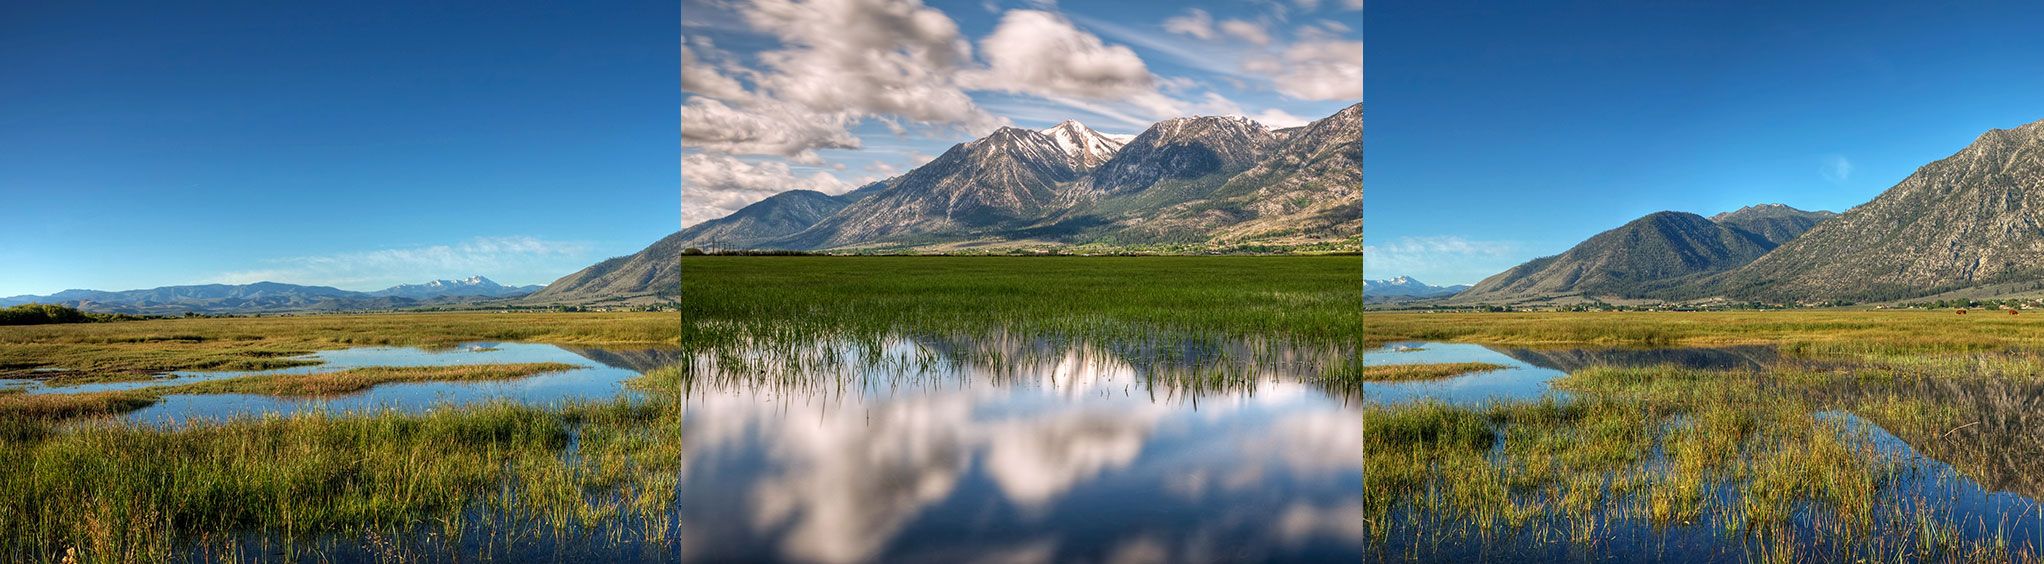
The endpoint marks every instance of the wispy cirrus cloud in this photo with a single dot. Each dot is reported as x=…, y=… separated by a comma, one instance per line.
x=1441, y=260
x=509, y=260
x=1836, y=168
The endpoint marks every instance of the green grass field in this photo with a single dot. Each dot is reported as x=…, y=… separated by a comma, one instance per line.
x=1304, y=299
x=766, y=316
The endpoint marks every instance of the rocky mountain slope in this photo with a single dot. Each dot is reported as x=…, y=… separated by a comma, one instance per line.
x=1777, y=223
x=1185, y=181
x=1972, y=219
x=651, y=275
x=769, y=219
x=1010, y=176
x=1640, y=256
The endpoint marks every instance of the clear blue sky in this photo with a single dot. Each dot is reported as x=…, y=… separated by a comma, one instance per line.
x=354, y=144
x=1499, y=132
x=840, y=93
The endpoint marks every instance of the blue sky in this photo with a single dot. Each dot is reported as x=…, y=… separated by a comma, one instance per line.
x=1499, y=132
x=358, y=145
x=833, y=94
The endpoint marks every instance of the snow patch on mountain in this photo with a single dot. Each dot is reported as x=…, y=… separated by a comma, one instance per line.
x=1085, y=147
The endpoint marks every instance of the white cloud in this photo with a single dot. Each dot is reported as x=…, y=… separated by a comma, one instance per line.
x=1427, y=256
x=1195, y=23
x=509, y=260
x=701, y=77
x=762, y=127
x=1836, y=168
x=713, y=186
x=1041, y=53
x=1279, y=119
x=1352, y=4
x=1315, y=69
x=1216, y=104
x=869, y=57
x=1247, y=31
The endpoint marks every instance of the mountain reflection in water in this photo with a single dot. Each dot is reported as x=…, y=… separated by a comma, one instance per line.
x=1016, y=449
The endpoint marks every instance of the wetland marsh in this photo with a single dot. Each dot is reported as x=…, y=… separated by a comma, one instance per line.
x=1780, y=436
x=353, y=438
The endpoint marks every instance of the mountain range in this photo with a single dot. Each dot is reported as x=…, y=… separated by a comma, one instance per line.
x=274, y=297
x=650, y=276
x=1406, y=288
x=1971, y=224
x=1200, y=182
x=1647, y=254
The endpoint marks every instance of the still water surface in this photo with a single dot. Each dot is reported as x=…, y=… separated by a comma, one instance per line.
x=599, y=375
x=947, y=451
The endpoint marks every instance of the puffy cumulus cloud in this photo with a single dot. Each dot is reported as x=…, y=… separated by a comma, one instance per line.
x=839, y=63
x=762, y=127
x=713, y=186
x=1194, y=23
x=1315, y=69
x=1247, y=31
x=1042, y=53
x=870, y=57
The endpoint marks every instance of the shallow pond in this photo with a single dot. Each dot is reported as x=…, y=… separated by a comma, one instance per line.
x=949, y=451
x=1528, y=371
x=599, y=375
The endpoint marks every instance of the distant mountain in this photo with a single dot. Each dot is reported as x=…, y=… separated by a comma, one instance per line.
x=1777, y=223
x=651, y=275
x=273, y=297
x=1962, y=224
x=769, y=219
x=1404, y=287
x=1642, y=255
x=1198, y=181
x=473, y=286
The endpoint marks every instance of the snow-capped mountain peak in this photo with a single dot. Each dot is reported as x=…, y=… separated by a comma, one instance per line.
x=471, y=286
x=1407, y=287
x=1085, y=147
